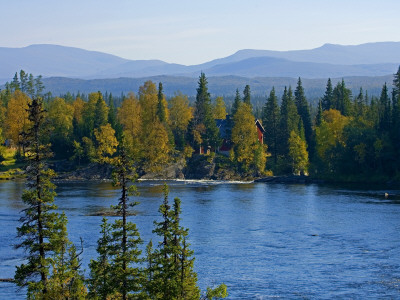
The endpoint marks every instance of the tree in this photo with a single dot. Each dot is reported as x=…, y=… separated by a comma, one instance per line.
x=304, y=112
x=247, y=95
x=219, y=109
x=129, y=115
x=41, y=227
x=162, y=108
x=329, y=137
x=289, y=121
x=327, y=100
x=60, y=118
x=244, y=138
x=298, y=154
x=180, y=114
x=17, y=119
x=236, y=103
x=125, y=236
x=66, y=280
x=101, y=280
x=342, y=99
x=101, y=112
x=172, y=271
x=203, y=115
x=106, y=143
x=271, y=123
x=384, y=110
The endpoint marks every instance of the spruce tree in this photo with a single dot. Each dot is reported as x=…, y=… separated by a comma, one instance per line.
x=304, y=112
x=203, y=115
x=236, y=103
x=289, y=121
x=247, y=95
x=318, y=117
x=271, y=120
x=42, y=228
x=24, y=79
x=384, y=110
x=125, y=235
x=116, y=272
x=101, y=281
x=172, y=273
x=161, y=105
x=327, y=100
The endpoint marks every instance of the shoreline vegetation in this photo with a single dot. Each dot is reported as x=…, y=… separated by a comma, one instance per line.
x=347, y=138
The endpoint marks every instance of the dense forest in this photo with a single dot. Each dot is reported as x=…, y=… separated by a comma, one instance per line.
x=346, y=137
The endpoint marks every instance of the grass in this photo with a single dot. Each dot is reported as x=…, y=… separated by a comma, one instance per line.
x=9, y=167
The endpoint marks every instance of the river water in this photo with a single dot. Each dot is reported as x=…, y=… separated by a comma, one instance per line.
x=262, y=240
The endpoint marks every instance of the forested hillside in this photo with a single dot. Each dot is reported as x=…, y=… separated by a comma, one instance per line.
x=353, y=136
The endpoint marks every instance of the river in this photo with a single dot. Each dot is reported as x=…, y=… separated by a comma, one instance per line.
x=262, y=240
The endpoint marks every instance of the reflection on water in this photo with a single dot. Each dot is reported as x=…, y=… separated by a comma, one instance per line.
x=262, y=240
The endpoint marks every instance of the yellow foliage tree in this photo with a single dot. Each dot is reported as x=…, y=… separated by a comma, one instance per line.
x=60, y=115
x=156, y=148
x=219, y=109
x=17, y=117
x=298, y=153
x=180, y=113
x=78, y=105
x=148, y=99
x=245, y=139
x=129, y=116
x=330, y=132
x=106, y=143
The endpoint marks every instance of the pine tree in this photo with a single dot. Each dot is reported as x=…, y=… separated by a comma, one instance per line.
x=30, y=86
x=384, y=110
x=271, y=123
x=100, y=112
x=318, y=117
x=236, y=103
x=125, y=236
x=172, y=273
x=41, y=227
x=24, y=79
x=289, y=121
x=66, y=280
x=304, y=112
x=247, y=95
x=342, y=98
x=161, y=105
x=15, y=85
x=101, y=280
x=203, y=115
x=112, y=117
x=327, y=100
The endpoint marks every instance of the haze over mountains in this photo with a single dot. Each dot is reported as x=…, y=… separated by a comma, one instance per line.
x=334, y=61
x=373, y=59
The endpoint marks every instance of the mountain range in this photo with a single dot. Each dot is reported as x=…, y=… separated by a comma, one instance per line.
x=81, y=70
x=372, y=59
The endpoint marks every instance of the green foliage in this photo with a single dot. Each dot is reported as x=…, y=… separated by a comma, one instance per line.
x=171, y=263
x=203, y=115
x=271, y=118
x=247, y=96
x=52, y=259
x=219, y=292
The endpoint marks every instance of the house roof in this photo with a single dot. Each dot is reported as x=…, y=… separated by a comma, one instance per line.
x=258, y=124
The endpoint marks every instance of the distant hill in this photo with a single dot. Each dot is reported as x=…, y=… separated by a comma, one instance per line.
x=372, y=59
x=218, y=85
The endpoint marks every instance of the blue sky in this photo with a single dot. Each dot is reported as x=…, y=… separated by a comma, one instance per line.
x=192, y=32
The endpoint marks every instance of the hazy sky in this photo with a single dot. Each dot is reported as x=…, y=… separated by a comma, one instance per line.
x=192, y=32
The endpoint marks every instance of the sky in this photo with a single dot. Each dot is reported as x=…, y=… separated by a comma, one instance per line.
x=192, y=32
